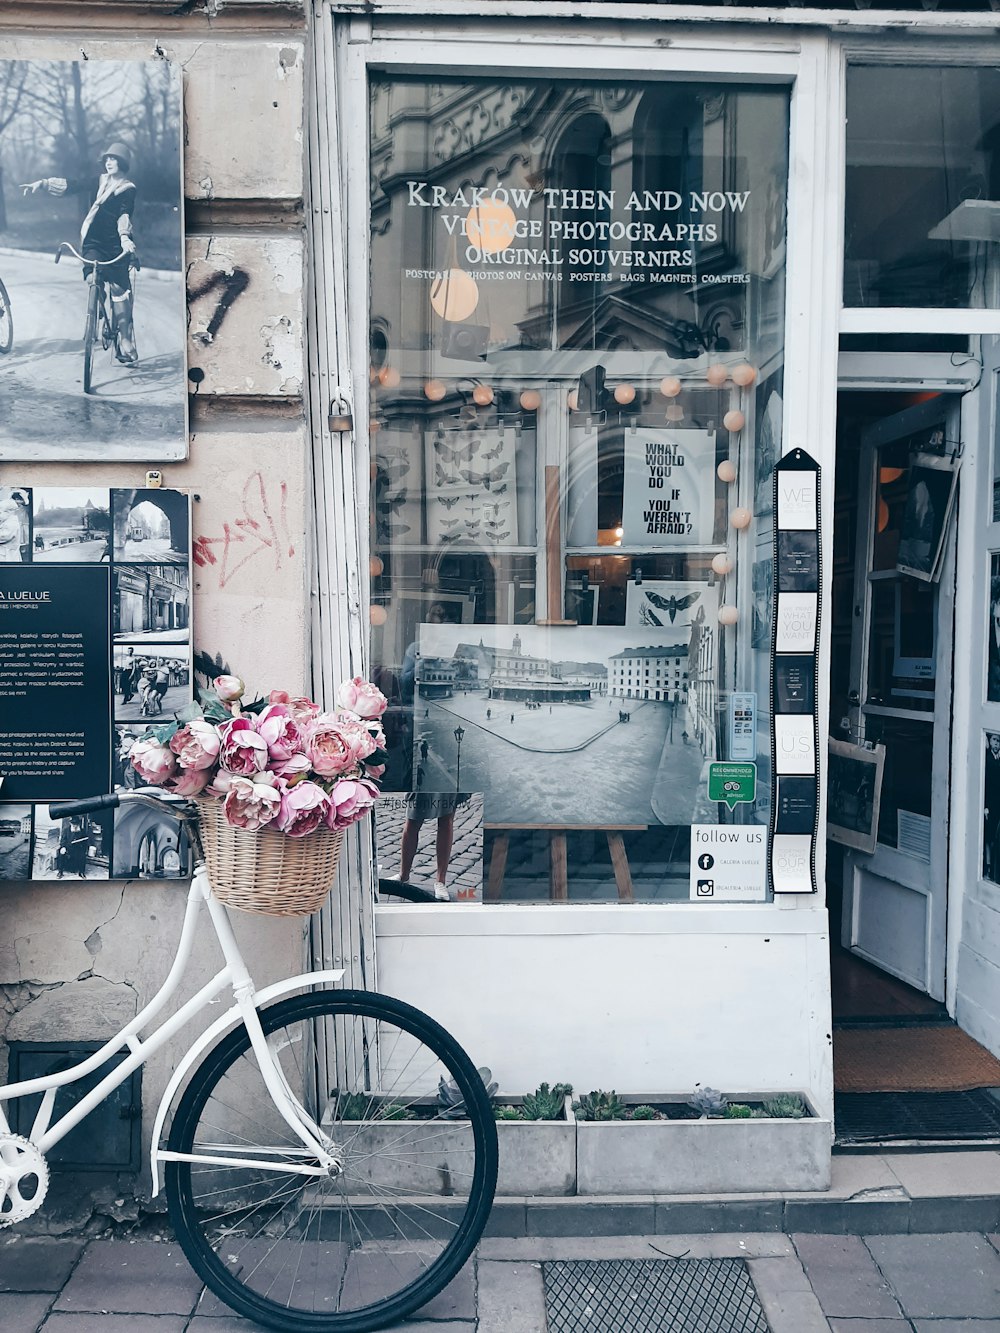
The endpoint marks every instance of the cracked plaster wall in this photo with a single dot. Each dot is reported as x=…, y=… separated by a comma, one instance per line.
x=77, y=961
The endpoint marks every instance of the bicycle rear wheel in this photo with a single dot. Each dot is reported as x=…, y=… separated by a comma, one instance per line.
x=89, y=336
x=6, y=322
x=359, y=1251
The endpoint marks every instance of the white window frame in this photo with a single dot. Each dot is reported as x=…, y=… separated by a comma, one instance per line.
x=799, y=60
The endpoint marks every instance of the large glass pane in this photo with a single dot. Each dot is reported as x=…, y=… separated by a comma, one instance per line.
x=577, y=294
x=923, y=186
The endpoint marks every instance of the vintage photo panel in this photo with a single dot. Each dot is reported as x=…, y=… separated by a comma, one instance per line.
x=15, y=525
x=90, y=151
x=151, y=603
x=15, y=841
x=76, y=848
x=150, y=681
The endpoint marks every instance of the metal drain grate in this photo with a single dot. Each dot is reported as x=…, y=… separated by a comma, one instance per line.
x=651, y=1296
x=864, y=1117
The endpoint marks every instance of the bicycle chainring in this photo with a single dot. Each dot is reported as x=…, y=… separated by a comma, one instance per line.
x=24, y=1179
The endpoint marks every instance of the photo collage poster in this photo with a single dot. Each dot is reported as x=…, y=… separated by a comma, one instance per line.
x=113, y=216
x=95, y=648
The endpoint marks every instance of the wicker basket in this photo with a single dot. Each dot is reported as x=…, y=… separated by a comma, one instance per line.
x=267, y=871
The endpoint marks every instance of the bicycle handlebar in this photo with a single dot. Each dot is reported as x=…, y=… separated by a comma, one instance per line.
x=63, y=809
x=178, y=806
x=97, y=263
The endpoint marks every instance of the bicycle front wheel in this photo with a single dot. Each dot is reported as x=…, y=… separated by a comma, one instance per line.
x=355, y=1249
x=6, y=322
x=89, y=337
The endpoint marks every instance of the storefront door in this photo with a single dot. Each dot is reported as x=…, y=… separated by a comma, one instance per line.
x=889, y=777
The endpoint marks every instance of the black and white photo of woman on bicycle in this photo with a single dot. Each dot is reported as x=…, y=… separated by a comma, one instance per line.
x=106, y=231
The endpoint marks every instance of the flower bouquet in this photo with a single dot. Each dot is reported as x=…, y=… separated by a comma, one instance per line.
x=277, y=781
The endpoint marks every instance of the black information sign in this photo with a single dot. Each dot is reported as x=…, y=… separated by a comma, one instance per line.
x=55, y=681
x=795, y=639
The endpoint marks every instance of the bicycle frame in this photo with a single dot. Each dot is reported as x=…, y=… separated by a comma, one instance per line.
x=45, y=1135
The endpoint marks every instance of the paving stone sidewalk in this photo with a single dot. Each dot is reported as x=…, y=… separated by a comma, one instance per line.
x=806, y=1283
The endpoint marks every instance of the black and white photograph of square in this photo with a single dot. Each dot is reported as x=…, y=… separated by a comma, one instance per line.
x=75, y=848
x=150, y=681
x=71, y=524
x=93, y=364
x=151, y=603
x=151, y=525
x=15, y=525
x=562, y=726
x=433, y=840
x=148, y=844
x=15, y=842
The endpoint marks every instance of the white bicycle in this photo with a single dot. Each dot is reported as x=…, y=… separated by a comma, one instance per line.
x=315, y=1172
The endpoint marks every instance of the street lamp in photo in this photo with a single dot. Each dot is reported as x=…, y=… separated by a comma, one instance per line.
x=459, y=735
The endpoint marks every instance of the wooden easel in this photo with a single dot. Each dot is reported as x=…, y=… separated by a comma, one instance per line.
x=558, y=883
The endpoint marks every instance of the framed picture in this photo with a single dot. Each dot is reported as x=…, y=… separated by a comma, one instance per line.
x=409, y=610
x=929, y=501
x=854, y=794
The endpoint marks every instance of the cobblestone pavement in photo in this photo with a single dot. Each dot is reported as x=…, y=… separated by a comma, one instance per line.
x=465, y=867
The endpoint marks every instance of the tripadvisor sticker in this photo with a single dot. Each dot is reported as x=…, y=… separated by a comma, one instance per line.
x=733, y=783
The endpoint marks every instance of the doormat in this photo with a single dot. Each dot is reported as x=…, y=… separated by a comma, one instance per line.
x=651, y=1296
x=925, y=1058
x=879, y=1117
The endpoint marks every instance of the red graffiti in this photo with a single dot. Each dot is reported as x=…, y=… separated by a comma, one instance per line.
x=254, y=532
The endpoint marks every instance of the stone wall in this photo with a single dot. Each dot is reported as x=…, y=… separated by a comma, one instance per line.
x=76, y=961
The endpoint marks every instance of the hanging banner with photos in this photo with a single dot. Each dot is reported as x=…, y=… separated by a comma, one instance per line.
x=669, y=493
x=795, y=726
x=95, y=647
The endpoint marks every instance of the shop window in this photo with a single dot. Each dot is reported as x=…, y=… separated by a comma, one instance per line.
x=923, y=186
x=577, y=295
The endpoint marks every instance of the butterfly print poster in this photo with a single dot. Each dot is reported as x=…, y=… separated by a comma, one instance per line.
x=671, y=605
x=396, y=488
x=471, y=487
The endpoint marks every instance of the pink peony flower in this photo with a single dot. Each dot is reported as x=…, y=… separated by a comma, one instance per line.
x=280, y=732
x=251, y=805
x=279, y=697
x=359, y=736
x=242, y=750
x=220, y=784
x=229, y=688
x=292, y=769
x=303, y=808
x=303, y=710
x=188, y=782
x=196, y=745
x=152, y=761
x=350, y=800
x=374, y=770
x=362, y=697
x=330, y=751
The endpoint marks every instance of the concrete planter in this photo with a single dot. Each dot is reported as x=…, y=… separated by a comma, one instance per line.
x=536, y=1156
x=702, y=1156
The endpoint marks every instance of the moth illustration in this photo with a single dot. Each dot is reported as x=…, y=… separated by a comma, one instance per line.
x=497, y=507
x=671, y=604
x=485, y=478
x=493, y=453
x=443, y=477
x=448, y=500
x=495, y=523
x=472, y=527
x=459, y=453
x=450, y=522
x=500, y=490
x=393, y=529
x=499, y=536
x=388, y=504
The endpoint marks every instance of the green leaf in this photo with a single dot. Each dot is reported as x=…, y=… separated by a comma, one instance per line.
x=214, y=709
x=165, y=732
x=190, y=712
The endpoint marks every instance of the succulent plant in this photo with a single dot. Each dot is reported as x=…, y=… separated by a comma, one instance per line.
x=359, y=1106
x=709, y=1102
x=508, y=1113
x=546, y=1103
x=600, y=1105
x=645, y=1113
x=786, y=1106
x=739, y=1111
x=451, y=1101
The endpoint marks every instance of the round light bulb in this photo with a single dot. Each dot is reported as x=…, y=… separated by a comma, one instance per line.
x=389, y=377
x=490, y=225
x=717, y=374
x=572, y=400
x=722, y=564
x=744, y=374
x=674, y=412
x=734, y=420
x=670, y=386
x=726, y=471
x=435, y=390
x=378, y=615
x=728, y=615
x=454, y=295
x=482, y=395
x=624, y=394
x=740, y=518
x=375, y=566
x=531, y=400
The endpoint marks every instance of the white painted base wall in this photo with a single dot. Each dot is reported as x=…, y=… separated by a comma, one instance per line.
x=977, y=1001
x=644, y=999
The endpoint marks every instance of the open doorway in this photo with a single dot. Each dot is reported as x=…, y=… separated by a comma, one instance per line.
x=903, y=1069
